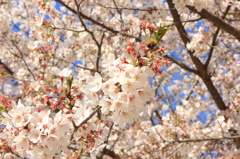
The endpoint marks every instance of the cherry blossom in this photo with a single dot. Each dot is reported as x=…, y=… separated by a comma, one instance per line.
x=119, y=79
x=64, y=73
x=94, y=83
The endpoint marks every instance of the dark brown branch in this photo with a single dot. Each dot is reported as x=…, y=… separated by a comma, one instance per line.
x=182, y=65
x=86, y=17
x=110, y=129
x=203, y=73
x=99, y=52
x=119, y=12
x=6, y=68
x=90, y=116
x=76, y=127
x=214, y=41
x=209, y=139
x=186, y=21
x=217, y=22
x=190, y=141
x=16, y=154
x=109, y=153
x=106, y=151
x=125, y=8
x=99, y=45
x=231, y=20
x=84, y=26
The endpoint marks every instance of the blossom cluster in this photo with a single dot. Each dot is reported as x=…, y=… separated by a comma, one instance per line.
x=35, y=131
x=126, y=92
x=113, y=79
x=45, y=134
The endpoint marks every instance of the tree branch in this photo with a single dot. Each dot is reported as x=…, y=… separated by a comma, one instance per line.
x=214, y=41
x=217, y=22
x=182, y=65
x=189, y=141
x=30, y=71
x=191, y=89
x=86, y=17
x=6, y=68
x=76, y=127
x=200, y=67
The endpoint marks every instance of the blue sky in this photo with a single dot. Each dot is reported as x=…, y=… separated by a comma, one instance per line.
x=201, y=117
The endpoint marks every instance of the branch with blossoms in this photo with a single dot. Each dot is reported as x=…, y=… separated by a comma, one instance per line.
x=118, y=102
x=126, y=8
x=191, y=89
x=76, y=127
x=214, y=40
x=6, y=68
x=21, y=56
x=78, y=66
x=67, y=29
x=231, y=49
x=217, y=21
x=182, y=65
x=7, y=149
x=86, y=17
x=109, y=151
x=98, y=44
x=197, y=140
x=186, y=21
x=200, y=67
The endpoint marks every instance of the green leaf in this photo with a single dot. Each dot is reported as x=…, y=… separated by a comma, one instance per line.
x=160, y=32
x=2, y=109
x=69, y=83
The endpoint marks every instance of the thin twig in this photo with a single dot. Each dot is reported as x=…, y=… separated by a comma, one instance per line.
x=191, y=90
x=182, y=65
x=86, y=17
x=76, y=127
x=24, y=60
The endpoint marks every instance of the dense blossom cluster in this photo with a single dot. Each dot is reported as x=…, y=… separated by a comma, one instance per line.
x=119, y=79
x=33, y=130
x=126, y=91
